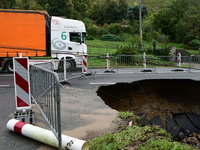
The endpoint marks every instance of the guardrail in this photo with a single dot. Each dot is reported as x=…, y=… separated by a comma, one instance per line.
x=45, y=90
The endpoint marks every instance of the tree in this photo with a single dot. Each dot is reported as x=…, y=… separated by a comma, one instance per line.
x=58, y=8
x=7, y=4
x=81, y=8
x=110, y=11
x=179, y=20
x=191, y=24
x=133, y=12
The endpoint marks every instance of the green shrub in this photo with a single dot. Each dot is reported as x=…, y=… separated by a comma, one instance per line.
x=126, y=114
x=104, y=31
x=110, y=37
x=195, y=44
x=127, y=49
x=124, y=37
x=163, y=39
x=90, y=37
x=93, y=30
x=161, y=51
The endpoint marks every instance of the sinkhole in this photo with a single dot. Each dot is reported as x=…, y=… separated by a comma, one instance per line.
x=173, y=104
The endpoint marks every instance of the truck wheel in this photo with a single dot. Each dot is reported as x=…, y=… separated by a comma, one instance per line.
x=70, y=65
x=9, y=66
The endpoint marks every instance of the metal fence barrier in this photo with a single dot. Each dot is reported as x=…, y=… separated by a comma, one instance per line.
x=125, y=61
x=45, y=90
x=65, y=68
x=46, y=65
x=137, y=61
x=101, y=61
x=188, y=62
x=121, y=61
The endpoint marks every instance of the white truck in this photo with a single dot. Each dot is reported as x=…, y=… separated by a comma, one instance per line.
x=35, y=34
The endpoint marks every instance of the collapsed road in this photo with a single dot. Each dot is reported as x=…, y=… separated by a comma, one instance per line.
x=172, y=104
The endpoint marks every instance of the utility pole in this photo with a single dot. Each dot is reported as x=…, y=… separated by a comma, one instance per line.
x=140, y=28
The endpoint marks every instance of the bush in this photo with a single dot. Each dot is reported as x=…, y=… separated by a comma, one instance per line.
x=163, y=39
x=110, y=37
x=149, y=36
x=90, y=37
x=124, y=37
x=127, y=49
x=93, y=30
x=104, y=31
x=195, y=44
x=162, y=51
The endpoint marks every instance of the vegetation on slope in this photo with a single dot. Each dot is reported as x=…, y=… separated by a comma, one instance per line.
x=131, y=135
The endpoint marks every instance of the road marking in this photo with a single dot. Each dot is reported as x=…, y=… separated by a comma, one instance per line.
x=4, y=85
x=6, y=75
x=102, y=83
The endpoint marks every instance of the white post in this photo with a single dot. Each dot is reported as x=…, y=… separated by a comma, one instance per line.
x=179, y=60
x=20, y=55
x=144, y=60
x=108, y=62
x=65, y=71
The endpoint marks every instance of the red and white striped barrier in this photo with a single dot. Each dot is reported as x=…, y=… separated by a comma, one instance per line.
x=84, y=67
x=21, y=80
x=46, y=136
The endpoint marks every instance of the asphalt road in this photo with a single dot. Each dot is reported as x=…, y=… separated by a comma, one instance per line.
x=84, y=114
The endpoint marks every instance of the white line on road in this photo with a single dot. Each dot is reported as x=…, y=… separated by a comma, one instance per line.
x=102, y=83
x=4, y=85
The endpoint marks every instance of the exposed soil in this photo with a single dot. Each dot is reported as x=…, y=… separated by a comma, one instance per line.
x=153, y=97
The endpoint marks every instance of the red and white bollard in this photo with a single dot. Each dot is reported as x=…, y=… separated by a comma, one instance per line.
x=46, y=136
x=179, y=60
x=84, y=66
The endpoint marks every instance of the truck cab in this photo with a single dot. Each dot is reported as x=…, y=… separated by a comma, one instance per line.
x=68, y=39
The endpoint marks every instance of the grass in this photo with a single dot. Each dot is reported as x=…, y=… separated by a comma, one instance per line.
x=126, y=114
x=178, y=46
x=103, y=47
x=136, y=137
